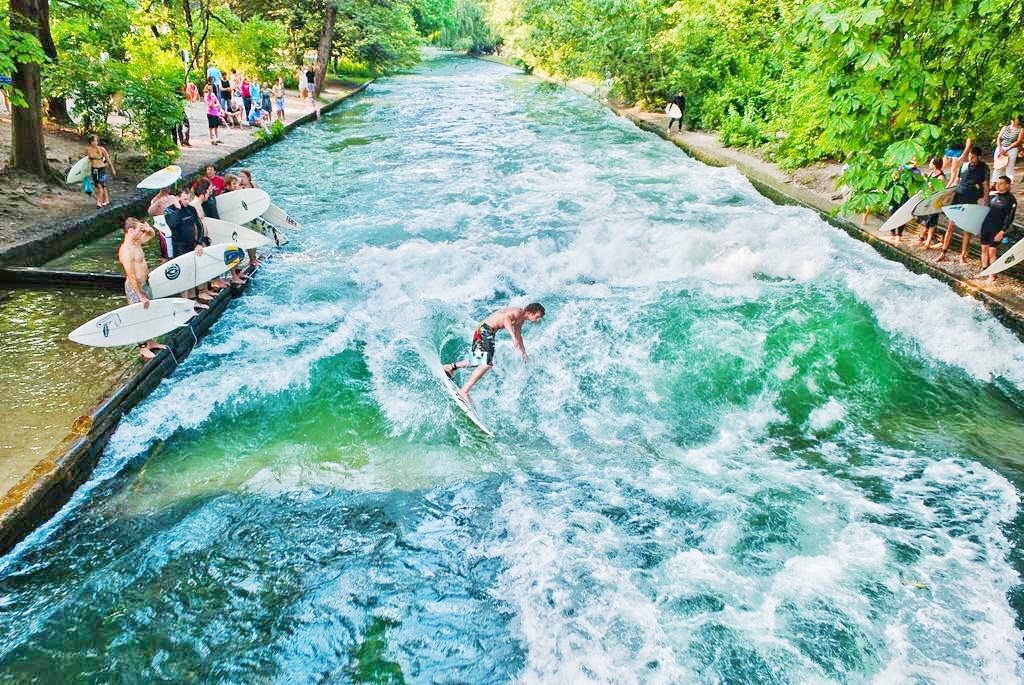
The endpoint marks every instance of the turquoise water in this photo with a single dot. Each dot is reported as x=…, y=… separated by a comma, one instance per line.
x=746, y=448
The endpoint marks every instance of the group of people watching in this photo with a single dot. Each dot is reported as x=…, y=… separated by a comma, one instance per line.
x=235, y=100
x=971, y=181
x=184, y=213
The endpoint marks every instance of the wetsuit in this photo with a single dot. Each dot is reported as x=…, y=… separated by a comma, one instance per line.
x=186, y=231
x=482, y=351
x=969, y=186
x=1001, y=209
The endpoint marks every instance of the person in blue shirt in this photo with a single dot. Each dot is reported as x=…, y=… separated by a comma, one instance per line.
x=213, y=76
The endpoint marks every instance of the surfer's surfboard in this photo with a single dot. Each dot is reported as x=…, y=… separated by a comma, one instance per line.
x=226, y=232
x=1009, y=258
x=161, y=179
x=672, y=110
x=966, y=217
x=160, y=224
x=135, y=323
x=242, y=206
x=270, y=230
x=461, y=403
x=79, y=171
x=189, y=270
x=279, y=218
x=934, y=203
x=902, y=215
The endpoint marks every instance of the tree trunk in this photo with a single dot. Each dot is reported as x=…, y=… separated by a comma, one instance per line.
x=326, y=45
x=28, y=149
x=57, y=107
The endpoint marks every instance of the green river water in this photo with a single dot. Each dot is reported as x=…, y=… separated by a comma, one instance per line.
x=746, y=449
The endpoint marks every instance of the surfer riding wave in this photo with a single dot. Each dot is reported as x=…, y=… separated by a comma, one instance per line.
x=481, y=358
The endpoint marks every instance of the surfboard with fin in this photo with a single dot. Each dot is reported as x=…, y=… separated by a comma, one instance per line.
x=466, y=407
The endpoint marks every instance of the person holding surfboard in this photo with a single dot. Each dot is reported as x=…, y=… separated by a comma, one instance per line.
x=187, y=234
x=481, y=357
x=1002, y=209
x=676, y=110
x=971, y=183
x=136, y=273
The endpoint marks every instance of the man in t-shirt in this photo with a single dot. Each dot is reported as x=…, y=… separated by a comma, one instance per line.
x=1002, y=208
x=213, y=74
x=971, y=182
x=210, y=176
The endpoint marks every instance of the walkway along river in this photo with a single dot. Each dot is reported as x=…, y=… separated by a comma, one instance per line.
x=746, y=447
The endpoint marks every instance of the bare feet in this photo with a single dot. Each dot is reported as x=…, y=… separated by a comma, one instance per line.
x=941, y=257
x=201, y=305
x=155, y=346
x=146, y=353
x=963, y=258
x=464, y=394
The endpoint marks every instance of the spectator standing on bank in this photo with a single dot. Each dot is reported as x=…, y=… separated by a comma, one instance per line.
x=265, y=99
x=279, y=99
x=213, y=77
x=1002, y=208
x=932, y=220
x=182, y=131
x=971, y=182
x=1007, y=145
x=679, y=100
x=225, y=93
x=101, y=169
x=311, y=88
x=246, y=90
x=212, y=114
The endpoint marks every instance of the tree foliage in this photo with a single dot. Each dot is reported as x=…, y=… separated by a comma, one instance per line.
x=872, y=83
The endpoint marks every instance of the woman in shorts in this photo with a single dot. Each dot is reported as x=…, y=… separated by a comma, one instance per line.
x=279, y=99
x=212, y=114
x=101, y=169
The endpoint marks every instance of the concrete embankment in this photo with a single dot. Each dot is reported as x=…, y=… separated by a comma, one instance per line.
x=51, y=482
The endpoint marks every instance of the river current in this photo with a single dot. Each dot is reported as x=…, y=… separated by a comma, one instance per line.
x=746, y=447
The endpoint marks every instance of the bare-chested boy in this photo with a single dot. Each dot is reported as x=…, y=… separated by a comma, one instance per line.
x=482, y=352
x=136, y=271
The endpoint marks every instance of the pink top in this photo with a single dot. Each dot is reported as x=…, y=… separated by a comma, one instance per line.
x=212, y=105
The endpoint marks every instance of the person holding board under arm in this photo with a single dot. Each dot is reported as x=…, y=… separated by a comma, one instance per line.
x=136, y=273
x=481, y=357
x=1002, y=209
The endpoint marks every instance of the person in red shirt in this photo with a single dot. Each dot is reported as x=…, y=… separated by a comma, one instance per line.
x=216, y=182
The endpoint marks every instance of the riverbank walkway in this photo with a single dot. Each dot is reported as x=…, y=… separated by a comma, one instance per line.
x=31, y=212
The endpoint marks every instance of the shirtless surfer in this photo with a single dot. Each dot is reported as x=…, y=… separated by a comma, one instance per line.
x=136, y=271
x=482, y=353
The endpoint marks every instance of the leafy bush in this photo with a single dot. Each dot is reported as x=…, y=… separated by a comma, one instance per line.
x=275, y=133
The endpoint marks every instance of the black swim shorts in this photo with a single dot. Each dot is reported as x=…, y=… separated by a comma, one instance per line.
x=483, y=346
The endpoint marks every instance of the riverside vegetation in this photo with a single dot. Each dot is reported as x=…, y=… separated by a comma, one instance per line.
x=871, y=83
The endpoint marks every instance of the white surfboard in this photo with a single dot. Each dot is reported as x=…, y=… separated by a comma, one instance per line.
x=461, y=403
x=934, y=203
x=902, y=215
x=242, y=206
x=1009, y=258
x=673, y=111
x=280, y=218
x=966, y=217
x=279, y=237
x=135, y=323
x=79, y=171
x=161, y=179
x=189, y=270
x=221, y=231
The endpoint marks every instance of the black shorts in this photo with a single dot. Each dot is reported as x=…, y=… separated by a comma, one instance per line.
x=212, y=121
x=99, y=176
x=964, y=199
x=482, y=351
x=988, y=238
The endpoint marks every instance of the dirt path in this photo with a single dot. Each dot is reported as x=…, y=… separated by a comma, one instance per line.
x=30, y=208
